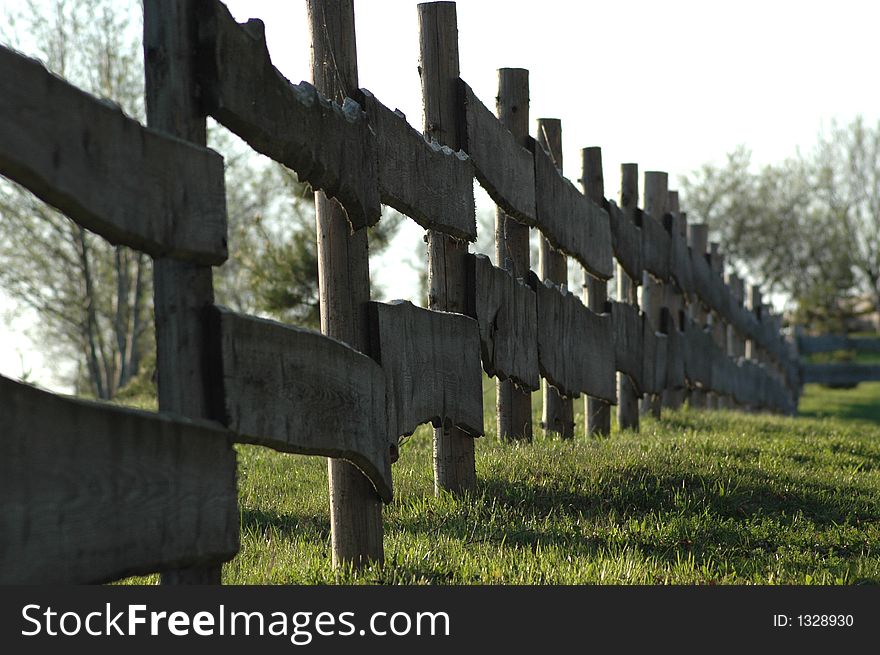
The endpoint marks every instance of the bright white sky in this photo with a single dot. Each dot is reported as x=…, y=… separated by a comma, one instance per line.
x=667, y=85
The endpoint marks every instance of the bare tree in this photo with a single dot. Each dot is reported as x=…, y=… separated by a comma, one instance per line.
x=92, y=298
x=777, y=226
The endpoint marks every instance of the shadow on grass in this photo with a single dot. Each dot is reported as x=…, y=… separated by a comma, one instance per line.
x=709, y=513
x=285, y=526
x=861, y=403
x=855, y=410
x=705, y=518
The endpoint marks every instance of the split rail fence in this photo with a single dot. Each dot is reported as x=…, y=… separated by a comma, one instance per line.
x=94, y=492
x=840, y=373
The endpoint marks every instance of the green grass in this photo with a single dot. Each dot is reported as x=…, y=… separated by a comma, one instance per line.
x=698, y=498
x=861, y=403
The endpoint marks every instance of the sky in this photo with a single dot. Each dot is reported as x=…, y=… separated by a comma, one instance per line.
x=668, y=85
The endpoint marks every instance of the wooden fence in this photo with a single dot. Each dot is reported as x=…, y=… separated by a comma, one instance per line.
x=93, y=492
x=841, y=373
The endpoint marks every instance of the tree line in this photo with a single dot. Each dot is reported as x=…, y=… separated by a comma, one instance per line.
x=808, y=227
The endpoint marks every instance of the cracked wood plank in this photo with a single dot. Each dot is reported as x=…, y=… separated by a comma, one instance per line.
x=426, y=181
x=93, y=492
x=130, y=184
x=626, y=240
x=628, y=342
x=431, y=364
x=299, y=391
x=569, y=220
x=329, y=145
x=575, y=345
x=503, y=167
x=506, y=313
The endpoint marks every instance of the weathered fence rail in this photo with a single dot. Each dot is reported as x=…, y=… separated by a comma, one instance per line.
x=838, y=374
x=300, y=391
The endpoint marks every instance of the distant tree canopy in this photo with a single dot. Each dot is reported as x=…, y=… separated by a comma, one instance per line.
x=808, y=227
x=94, y=300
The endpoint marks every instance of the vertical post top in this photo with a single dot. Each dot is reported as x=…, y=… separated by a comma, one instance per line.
x=439, y=72
x=656, y=187
x=698, y=237
x=629, y=185
x=592, y=176
x=513, y=102
x=334, y=48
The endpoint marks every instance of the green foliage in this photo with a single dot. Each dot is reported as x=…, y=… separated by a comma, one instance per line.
x=699, y=498
x=861, y=403
x=273, y=264
x=775, y=224
x=808, y=227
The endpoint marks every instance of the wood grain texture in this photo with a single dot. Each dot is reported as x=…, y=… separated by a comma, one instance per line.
x=575, y=345
x=629, y=243
x=597, y=411
x=679, y=254
x=557, y=414
x=655, y=245
x=628, y=341
x=356, y=528
x=512, y=247
x=506, y=313
x=428, y=182
x=570, y=221
x=298, y=391
x=626, y=239
x=130, y=184
x=181, y=290
x=96, y=492
x=453, y=452
x=504, y=168
x=325, y=139
x=431, y=365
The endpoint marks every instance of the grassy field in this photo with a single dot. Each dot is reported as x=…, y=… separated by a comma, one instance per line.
x=700, y=497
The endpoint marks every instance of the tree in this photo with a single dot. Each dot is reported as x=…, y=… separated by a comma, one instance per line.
x=778, y=226
x=847, y=164
x=94, y=300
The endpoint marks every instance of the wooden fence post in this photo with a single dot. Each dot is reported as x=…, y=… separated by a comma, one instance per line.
x=558, y=412
x=344, y=283
x=673, y=398
x=598, y=412
x=512, y=248
x=719, y=332
x=735, y=344
x=698, y=240
x=181, y=291
x=627, y=291
x=656, y=187
x=752, y=349
x=454, y=458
